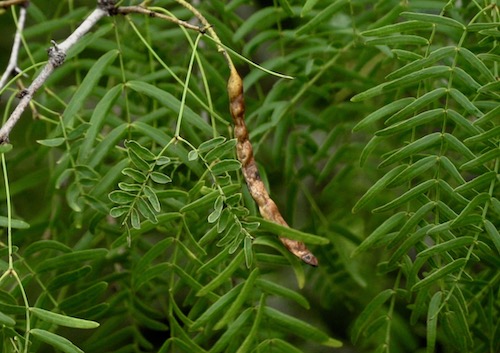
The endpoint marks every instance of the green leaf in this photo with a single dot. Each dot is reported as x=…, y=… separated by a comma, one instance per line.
x=383, y=112
x=488, y=116
x=258, y=19
x=209, y=198
x=432, y=320
x=211, y=144
x=435, y=19
x=376, y=188
x=364, y=318
x=146, y=210
x=55, y=142
x=439, y=273
x=412, y=222
x=299, y=327
x=225, y=166
x=88, y=84
x=447, y=246
x=73, y=197
x=458, y=146
x=216, y=308
x=6, y=320
x=281, y=291
x=396, y=28
x=5, y=148
x=41, y=245
x=414, y=170
x=461, y=99
x=478, y=200
x=138, y=161
x=380, y=233
x=324, y=15
x=152, y=198
x=135, y=174
x=221, y=150
x=71, y=259
x=473, y=60
x=287, y=232
x=482, y=159
x=461, y=121
x=121, y=197
x=368, y=149
x=423, y=118
x=108, y=142
x=403, y=39
x=14, y=223
x=68, y=278
x=223, y=276
x=419, y=62
x=411, y=194
x=417, y=104
x=233, y=331
x=160, y=178
x=169, y=101
x=492, y=231
x=55, y=341
x=407, y=80
x=63, y=320
x=97, y=120
x=84, y=298
x=483, y=136
x=129, y=187
x=479, y=183
x=413, y=148
x=193, y=155
x=140, y=150
x=119, y=211
x=232, y=310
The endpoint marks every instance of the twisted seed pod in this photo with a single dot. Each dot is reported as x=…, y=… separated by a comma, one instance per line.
x=267, y=207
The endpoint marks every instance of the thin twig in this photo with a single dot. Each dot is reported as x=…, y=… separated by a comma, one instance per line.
x=12, y=65
x=7, y=3
x=125, y=10
x=57, y=55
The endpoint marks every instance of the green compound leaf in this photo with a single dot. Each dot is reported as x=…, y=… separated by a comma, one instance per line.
x=364, y=318
x=383, y=112
x=439, y=273
x=63, y=320
x=381, y=233
x=300, y=328
x=14, y=223
x=435, y=19
x=432, y=320
x=55, y=341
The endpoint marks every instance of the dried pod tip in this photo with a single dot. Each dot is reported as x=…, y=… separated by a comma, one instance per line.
x=234, y=85
x=310, y=259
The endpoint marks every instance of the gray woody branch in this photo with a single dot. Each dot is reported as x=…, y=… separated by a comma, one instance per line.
x=12, y=65
x=57, y=54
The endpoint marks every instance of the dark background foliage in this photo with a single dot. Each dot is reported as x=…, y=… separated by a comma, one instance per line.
x=384, y=144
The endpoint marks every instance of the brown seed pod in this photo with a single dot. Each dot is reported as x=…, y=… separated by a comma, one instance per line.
x=267, y=206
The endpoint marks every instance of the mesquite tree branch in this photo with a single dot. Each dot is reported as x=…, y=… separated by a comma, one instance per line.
x=12, y=65
x=7, y=3
x=57, y=55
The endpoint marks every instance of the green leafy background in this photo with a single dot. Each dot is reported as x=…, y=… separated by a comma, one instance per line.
x=133, y=231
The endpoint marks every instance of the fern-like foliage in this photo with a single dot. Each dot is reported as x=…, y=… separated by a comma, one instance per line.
x=129, y=228
x=443, y=122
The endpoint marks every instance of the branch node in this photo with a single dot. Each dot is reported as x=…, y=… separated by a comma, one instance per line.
x=22, y=93
x=203, y=30
x=109, y=6
x=56, y=55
